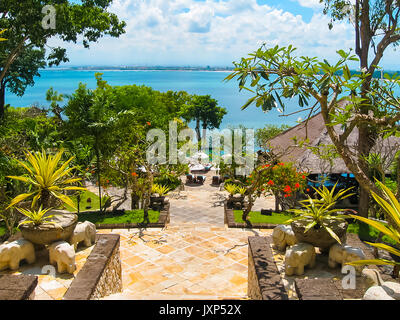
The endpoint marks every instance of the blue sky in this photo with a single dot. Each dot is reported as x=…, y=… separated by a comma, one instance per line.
x=216, y=33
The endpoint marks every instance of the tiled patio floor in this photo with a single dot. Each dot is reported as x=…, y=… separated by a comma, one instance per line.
x=195, y=257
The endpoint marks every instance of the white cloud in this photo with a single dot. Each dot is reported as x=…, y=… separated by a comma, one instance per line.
x=314, y=4
x=188, y=32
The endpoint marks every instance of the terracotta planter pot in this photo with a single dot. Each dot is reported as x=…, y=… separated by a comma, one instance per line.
x=319, y=237
x=48, y=233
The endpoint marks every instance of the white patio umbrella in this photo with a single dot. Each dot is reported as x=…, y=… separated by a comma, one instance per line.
x=198, y=167
x=199, y=155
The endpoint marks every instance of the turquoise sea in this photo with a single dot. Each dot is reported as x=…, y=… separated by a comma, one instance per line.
x=66, y=81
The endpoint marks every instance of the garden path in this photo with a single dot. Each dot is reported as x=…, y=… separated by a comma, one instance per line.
x=195, y=257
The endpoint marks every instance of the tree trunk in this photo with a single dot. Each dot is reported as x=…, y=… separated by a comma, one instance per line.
x=134, y=201
x=198, y=130
x=98, y=169
x=2, y=100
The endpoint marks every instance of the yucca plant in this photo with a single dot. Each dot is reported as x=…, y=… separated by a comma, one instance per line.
x=329, y=196
x=318, y=214
x=36, y=217
x=48, y=178
x=160, y=189
x=231, y=188
x=241, y=190
x=392, y=207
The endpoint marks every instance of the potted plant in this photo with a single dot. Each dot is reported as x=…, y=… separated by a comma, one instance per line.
x=158, y=193
x=318, y=222
x=48, y=179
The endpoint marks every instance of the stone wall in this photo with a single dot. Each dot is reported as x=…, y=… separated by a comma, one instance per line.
x=111, y=279
x=102, y=274
x=264, y=279
x=18, y=287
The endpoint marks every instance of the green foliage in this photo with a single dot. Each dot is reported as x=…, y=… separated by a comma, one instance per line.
x=25, y=51
x=231, y=188
x=36, y=217
x=318, y=212
x=267, y=133
x=392, y=208
x=48, y=177
x=331, y=197
x=160, y=189
x=203, y=109
x=282, y=179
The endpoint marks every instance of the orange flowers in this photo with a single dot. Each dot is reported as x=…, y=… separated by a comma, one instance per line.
x=134, y=174
x=287, y=189
x=148, y=123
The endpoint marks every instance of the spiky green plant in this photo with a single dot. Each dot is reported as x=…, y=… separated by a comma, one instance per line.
x=392, y=207
x=48, y=178
x=36, y=217
x=231, y=188
x=328, y=196
x=317, y=213
x=160, y=189
x=241, y=190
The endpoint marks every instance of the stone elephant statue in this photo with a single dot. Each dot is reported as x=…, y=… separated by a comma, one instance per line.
x=11, y=253
x=341, y=254
x=283, y=236
x=84, y=232
x=299, y=256
x=62, y=254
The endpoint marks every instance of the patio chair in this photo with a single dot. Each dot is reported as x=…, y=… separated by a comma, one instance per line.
x=189, y=178
x=215, y=181
x=201, y=179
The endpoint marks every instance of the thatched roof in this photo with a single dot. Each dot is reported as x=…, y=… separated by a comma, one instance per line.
x=315, y=131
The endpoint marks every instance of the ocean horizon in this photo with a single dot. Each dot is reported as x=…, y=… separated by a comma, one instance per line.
x=65, y=81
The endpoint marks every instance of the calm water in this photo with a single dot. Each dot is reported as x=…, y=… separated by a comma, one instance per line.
x=194, y=82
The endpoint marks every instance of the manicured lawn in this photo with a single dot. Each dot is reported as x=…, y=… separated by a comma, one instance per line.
x=133, y=216
x=257, y=217
x=95, y=203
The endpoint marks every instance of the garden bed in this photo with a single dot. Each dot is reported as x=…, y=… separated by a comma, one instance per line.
x=127, y=219
x=257, y=221
x=267, y=275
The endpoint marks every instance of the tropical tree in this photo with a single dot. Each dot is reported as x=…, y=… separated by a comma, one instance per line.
x=204, y=111
x=270, y=131
x=331, y=88
x=376, y=26
x=86, y=21
x=48, y=178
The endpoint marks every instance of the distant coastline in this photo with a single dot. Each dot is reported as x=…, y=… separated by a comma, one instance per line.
x=142, y=68
x=377, y=74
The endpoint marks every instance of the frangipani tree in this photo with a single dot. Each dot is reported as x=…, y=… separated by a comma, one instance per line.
x=273, y=74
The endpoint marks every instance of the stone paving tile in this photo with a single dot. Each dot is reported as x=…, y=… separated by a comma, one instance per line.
x=195, y=257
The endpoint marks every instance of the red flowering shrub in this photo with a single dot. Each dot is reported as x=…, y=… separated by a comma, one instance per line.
x=283, y=180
